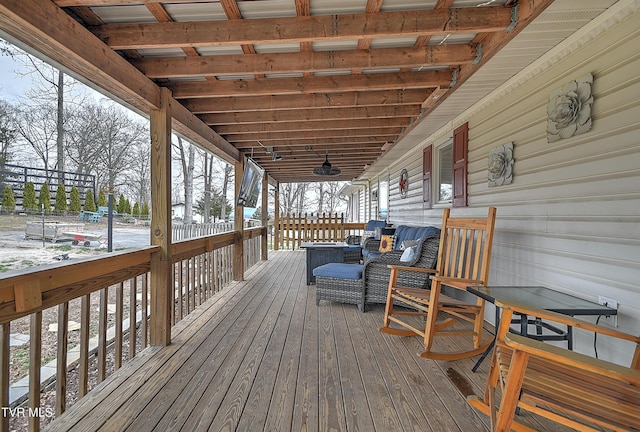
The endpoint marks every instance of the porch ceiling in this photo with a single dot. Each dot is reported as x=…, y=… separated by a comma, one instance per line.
x=301, y=79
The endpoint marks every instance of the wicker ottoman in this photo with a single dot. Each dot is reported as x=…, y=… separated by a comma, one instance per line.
x=340, y=282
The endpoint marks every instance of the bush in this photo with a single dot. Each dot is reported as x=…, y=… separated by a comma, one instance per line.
x=102, y=199
x=74, y=200
x=136, y=210
x=44, y=200
x=61, y=198
x=145, y=210
x=122, y=205
x=29, y=198
x=89, y=202
x=8, y=200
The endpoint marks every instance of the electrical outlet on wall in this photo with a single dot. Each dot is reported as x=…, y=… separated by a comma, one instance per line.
x=613, y=304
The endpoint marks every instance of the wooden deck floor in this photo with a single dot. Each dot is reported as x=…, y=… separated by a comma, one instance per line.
x=262, y=356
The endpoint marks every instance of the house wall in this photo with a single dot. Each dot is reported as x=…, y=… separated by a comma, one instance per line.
x=571, y=218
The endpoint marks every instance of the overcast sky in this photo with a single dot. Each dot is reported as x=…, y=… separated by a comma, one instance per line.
x=11, y=85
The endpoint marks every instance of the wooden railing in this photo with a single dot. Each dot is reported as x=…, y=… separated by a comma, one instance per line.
x=112, y=295
x=188, y=231
x=94, y=283
x=295, y=229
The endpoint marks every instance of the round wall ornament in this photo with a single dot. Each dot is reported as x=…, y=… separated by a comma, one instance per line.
x=403, y=183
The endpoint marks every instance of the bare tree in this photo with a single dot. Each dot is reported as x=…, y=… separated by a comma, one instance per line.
x=293, y=197
x=37, y=127
x=214, y=171
x=207, y=168
x=84, y=126
x=7, y=130
x=139, y=177
x=332, y=201
x=119, y=134
x=228, y=177
x=50, y=90
x=186, y=156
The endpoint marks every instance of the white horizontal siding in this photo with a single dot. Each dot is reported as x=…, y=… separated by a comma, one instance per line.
x=571, y=218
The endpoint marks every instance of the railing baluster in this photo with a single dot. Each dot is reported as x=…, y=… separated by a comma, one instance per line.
x=198, y=280
x=145, y=306
x=180, y=289
x=102, y=335
x=192, y=270
x=35, y=360
x=187, y=285
x=61, y=366
x=119, y=316
x=133, y=327
x=83, y=372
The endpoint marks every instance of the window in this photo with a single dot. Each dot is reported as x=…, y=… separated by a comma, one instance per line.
x=445, y=178
x=383, y=199
x=450, y=171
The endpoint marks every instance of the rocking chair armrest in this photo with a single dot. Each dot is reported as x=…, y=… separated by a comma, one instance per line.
x=456, y=282
x=406, y=268
x=573, y=359
x=565, y=319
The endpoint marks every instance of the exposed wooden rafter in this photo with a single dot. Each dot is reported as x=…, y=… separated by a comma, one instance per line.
x=245, y=77
x=304, y=28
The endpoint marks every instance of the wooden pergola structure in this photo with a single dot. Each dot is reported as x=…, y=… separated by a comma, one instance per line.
x=285, y=86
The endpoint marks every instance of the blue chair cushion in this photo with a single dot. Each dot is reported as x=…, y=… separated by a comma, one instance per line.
x=339, y=270
x=404, y=232
x=370, y=254
x=373, y=224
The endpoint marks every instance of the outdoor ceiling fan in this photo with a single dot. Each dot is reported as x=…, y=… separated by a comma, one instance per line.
x=326, y=170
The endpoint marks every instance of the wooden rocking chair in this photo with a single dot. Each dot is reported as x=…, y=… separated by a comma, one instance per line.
x=464, y=257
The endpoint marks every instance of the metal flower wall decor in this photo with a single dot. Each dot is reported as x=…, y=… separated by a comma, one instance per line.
x=501, y=165
x=569, y=109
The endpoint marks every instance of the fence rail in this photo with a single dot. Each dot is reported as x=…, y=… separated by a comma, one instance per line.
x=293, y=229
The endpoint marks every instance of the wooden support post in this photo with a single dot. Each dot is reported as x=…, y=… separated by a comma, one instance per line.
x=161, y=274
x=265, y=217
x=276, y=217
x=238, y=246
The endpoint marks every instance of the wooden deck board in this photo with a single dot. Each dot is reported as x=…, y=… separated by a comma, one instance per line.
x=262, y=356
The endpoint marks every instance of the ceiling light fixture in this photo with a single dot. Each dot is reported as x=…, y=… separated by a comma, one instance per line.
x=326, y=170
x=272, y=151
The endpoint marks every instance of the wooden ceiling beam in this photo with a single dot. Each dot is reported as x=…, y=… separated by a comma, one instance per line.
x=71, y=3
x=296, y=159
x=307, y=101
x=311, y=125
x=314, y=84
x=391, y=132
x=314, y=144
x=304, y=28
x=312, y=115
x=311, y=159
x=312, y=61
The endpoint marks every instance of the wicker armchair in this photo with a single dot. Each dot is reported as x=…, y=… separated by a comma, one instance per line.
x=375, y=273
